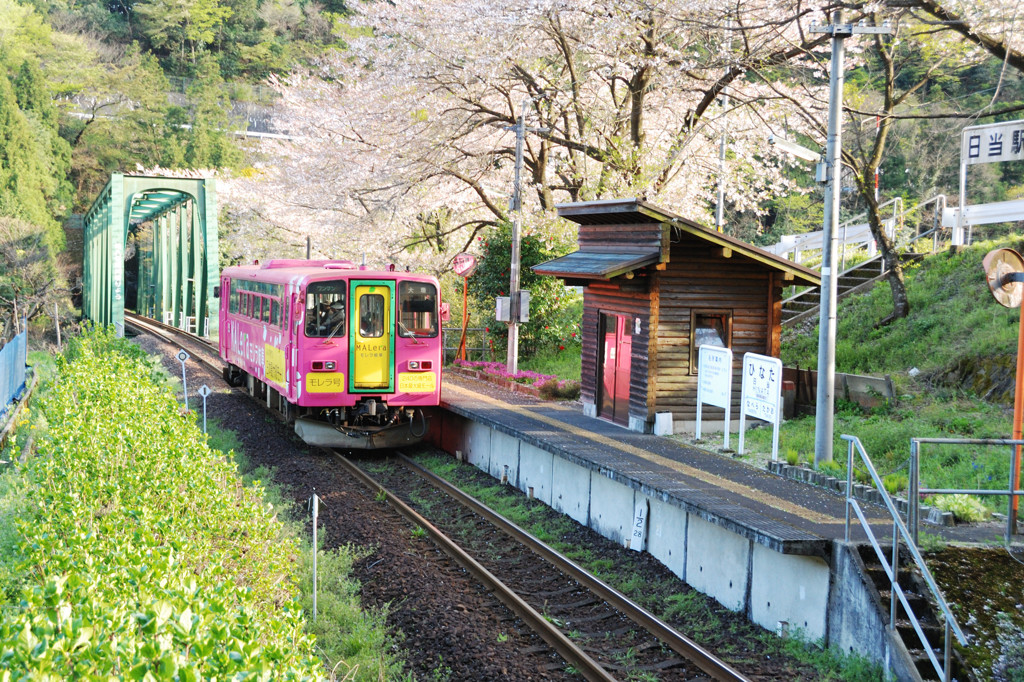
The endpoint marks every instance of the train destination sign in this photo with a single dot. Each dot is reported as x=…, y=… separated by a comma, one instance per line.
x=761, y=396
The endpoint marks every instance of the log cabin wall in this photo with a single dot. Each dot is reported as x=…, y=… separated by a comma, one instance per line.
x=699, y=277
x=621, y=237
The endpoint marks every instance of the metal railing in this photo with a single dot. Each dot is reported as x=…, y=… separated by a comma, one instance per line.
x=915, y=489
x=900, y=531
x=476, y=343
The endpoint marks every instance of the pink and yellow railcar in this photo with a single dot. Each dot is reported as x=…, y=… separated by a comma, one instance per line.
x=352, y=356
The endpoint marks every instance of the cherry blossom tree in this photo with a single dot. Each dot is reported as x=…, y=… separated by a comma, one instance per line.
x=406, y=136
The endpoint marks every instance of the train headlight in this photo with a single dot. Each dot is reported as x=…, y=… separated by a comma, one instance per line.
x=420, y=364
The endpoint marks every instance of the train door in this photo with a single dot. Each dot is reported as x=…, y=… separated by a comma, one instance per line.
x=616, y=346
x=372, y=340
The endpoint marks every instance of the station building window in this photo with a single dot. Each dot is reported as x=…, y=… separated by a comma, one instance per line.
x=709, y=327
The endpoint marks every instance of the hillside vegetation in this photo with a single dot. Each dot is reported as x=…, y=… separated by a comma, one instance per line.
x=954, y=323
x=963, y=345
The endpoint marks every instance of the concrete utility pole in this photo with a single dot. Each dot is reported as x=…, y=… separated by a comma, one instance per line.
x=512, y=359
x=830, y=173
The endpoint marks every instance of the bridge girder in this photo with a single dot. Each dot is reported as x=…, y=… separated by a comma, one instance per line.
x=178, y=251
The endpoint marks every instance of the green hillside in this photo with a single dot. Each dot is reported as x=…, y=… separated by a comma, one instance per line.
x=964, y=346
x=956, y=332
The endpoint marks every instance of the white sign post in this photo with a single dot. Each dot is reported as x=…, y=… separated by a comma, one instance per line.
x=762, y=394
x=989, y=143
x=636, y=540
x=182, y=357
x=205, y=392
x=714, y=383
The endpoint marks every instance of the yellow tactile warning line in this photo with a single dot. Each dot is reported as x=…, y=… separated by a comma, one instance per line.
x=717, y=481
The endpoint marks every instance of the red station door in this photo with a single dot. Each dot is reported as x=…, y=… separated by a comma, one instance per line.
x=616, y=349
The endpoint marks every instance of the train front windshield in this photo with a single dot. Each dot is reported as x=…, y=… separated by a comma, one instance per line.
x=417, y=303
x=325, y=309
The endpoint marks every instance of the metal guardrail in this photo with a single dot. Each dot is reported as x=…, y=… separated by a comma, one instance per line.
x=900, y=531
x=12, y=368
x=915, y=489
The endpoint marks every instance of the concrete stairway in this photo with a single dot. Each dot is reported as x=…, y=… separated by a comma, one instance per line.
x=916, y=591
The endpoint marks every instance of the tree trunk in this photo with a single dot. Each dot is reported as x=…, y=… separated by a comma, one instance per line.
x=893, y=266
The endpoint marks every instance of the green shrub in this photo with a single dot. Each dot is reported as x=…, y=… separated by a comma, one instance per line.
x=895, y=483
x=832, y=468
x=553, y=389
x=792, y=457
x=151, y=559
x=964, y=507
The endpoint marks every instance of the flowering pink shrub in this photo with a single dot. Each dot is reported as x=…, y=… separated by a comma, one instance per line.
x=549, y=386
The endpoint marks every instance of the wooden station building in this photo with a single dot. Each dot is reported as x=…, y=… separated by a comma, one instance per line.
x=655, y=287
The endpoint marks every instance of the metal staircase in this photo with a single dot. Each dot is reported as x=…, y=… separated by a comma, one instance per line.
x=804, y=304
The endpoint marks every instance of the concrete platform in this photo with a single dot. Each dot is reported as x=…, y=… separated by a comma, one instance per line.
x=757, y=542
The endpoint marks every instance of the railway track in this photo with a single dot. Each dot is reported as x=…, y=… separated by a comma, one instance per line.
x=598, y=632
x=610, y=634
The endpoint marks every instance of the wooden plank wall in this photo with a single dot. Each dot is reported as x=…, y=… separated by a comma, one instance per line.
x=620, y=238
x=698, y=276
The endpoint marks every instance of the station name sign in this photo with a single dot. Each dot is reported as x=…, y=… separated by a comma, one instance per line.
x=992, y=143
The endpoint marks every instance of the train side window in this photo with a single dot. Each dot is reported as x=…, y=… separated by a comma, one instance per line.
x=371, y=316
x=417, y=302
x=235, y=298
x=266, y=308
x=275, y=312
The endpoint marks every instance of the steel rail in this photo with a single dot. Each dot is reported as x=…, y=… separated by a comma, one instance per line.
x=573, y=655
x=678, y=642
x=155, y=327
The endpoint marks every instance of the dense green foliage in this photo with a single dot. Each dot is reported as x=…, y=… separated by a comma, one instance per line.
x=143, y=555
x=555, y=310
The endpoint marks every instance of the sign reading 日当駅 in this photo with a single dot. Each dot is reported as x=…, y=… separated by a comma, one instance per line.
x=992, y=143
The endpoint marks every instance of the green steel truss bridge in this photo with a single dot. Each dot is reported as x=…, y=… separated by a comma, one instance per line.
x=171, y=225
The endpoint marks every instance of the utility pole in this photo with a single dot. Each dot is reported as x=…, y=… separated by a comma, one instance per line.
x=722, y=144
x=512, y=359
x=830, y=173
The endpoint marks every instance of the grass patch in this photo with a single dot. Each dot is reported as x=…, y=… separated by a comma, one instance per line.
x=565, y=364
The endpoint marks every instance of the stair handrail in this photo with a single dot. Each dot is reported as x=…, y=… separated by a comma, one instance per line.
x=940, y=202
x=900, y=531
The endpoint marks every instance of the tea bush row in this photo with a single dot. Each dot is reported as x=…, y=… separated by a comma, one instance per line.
x=145, y=557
